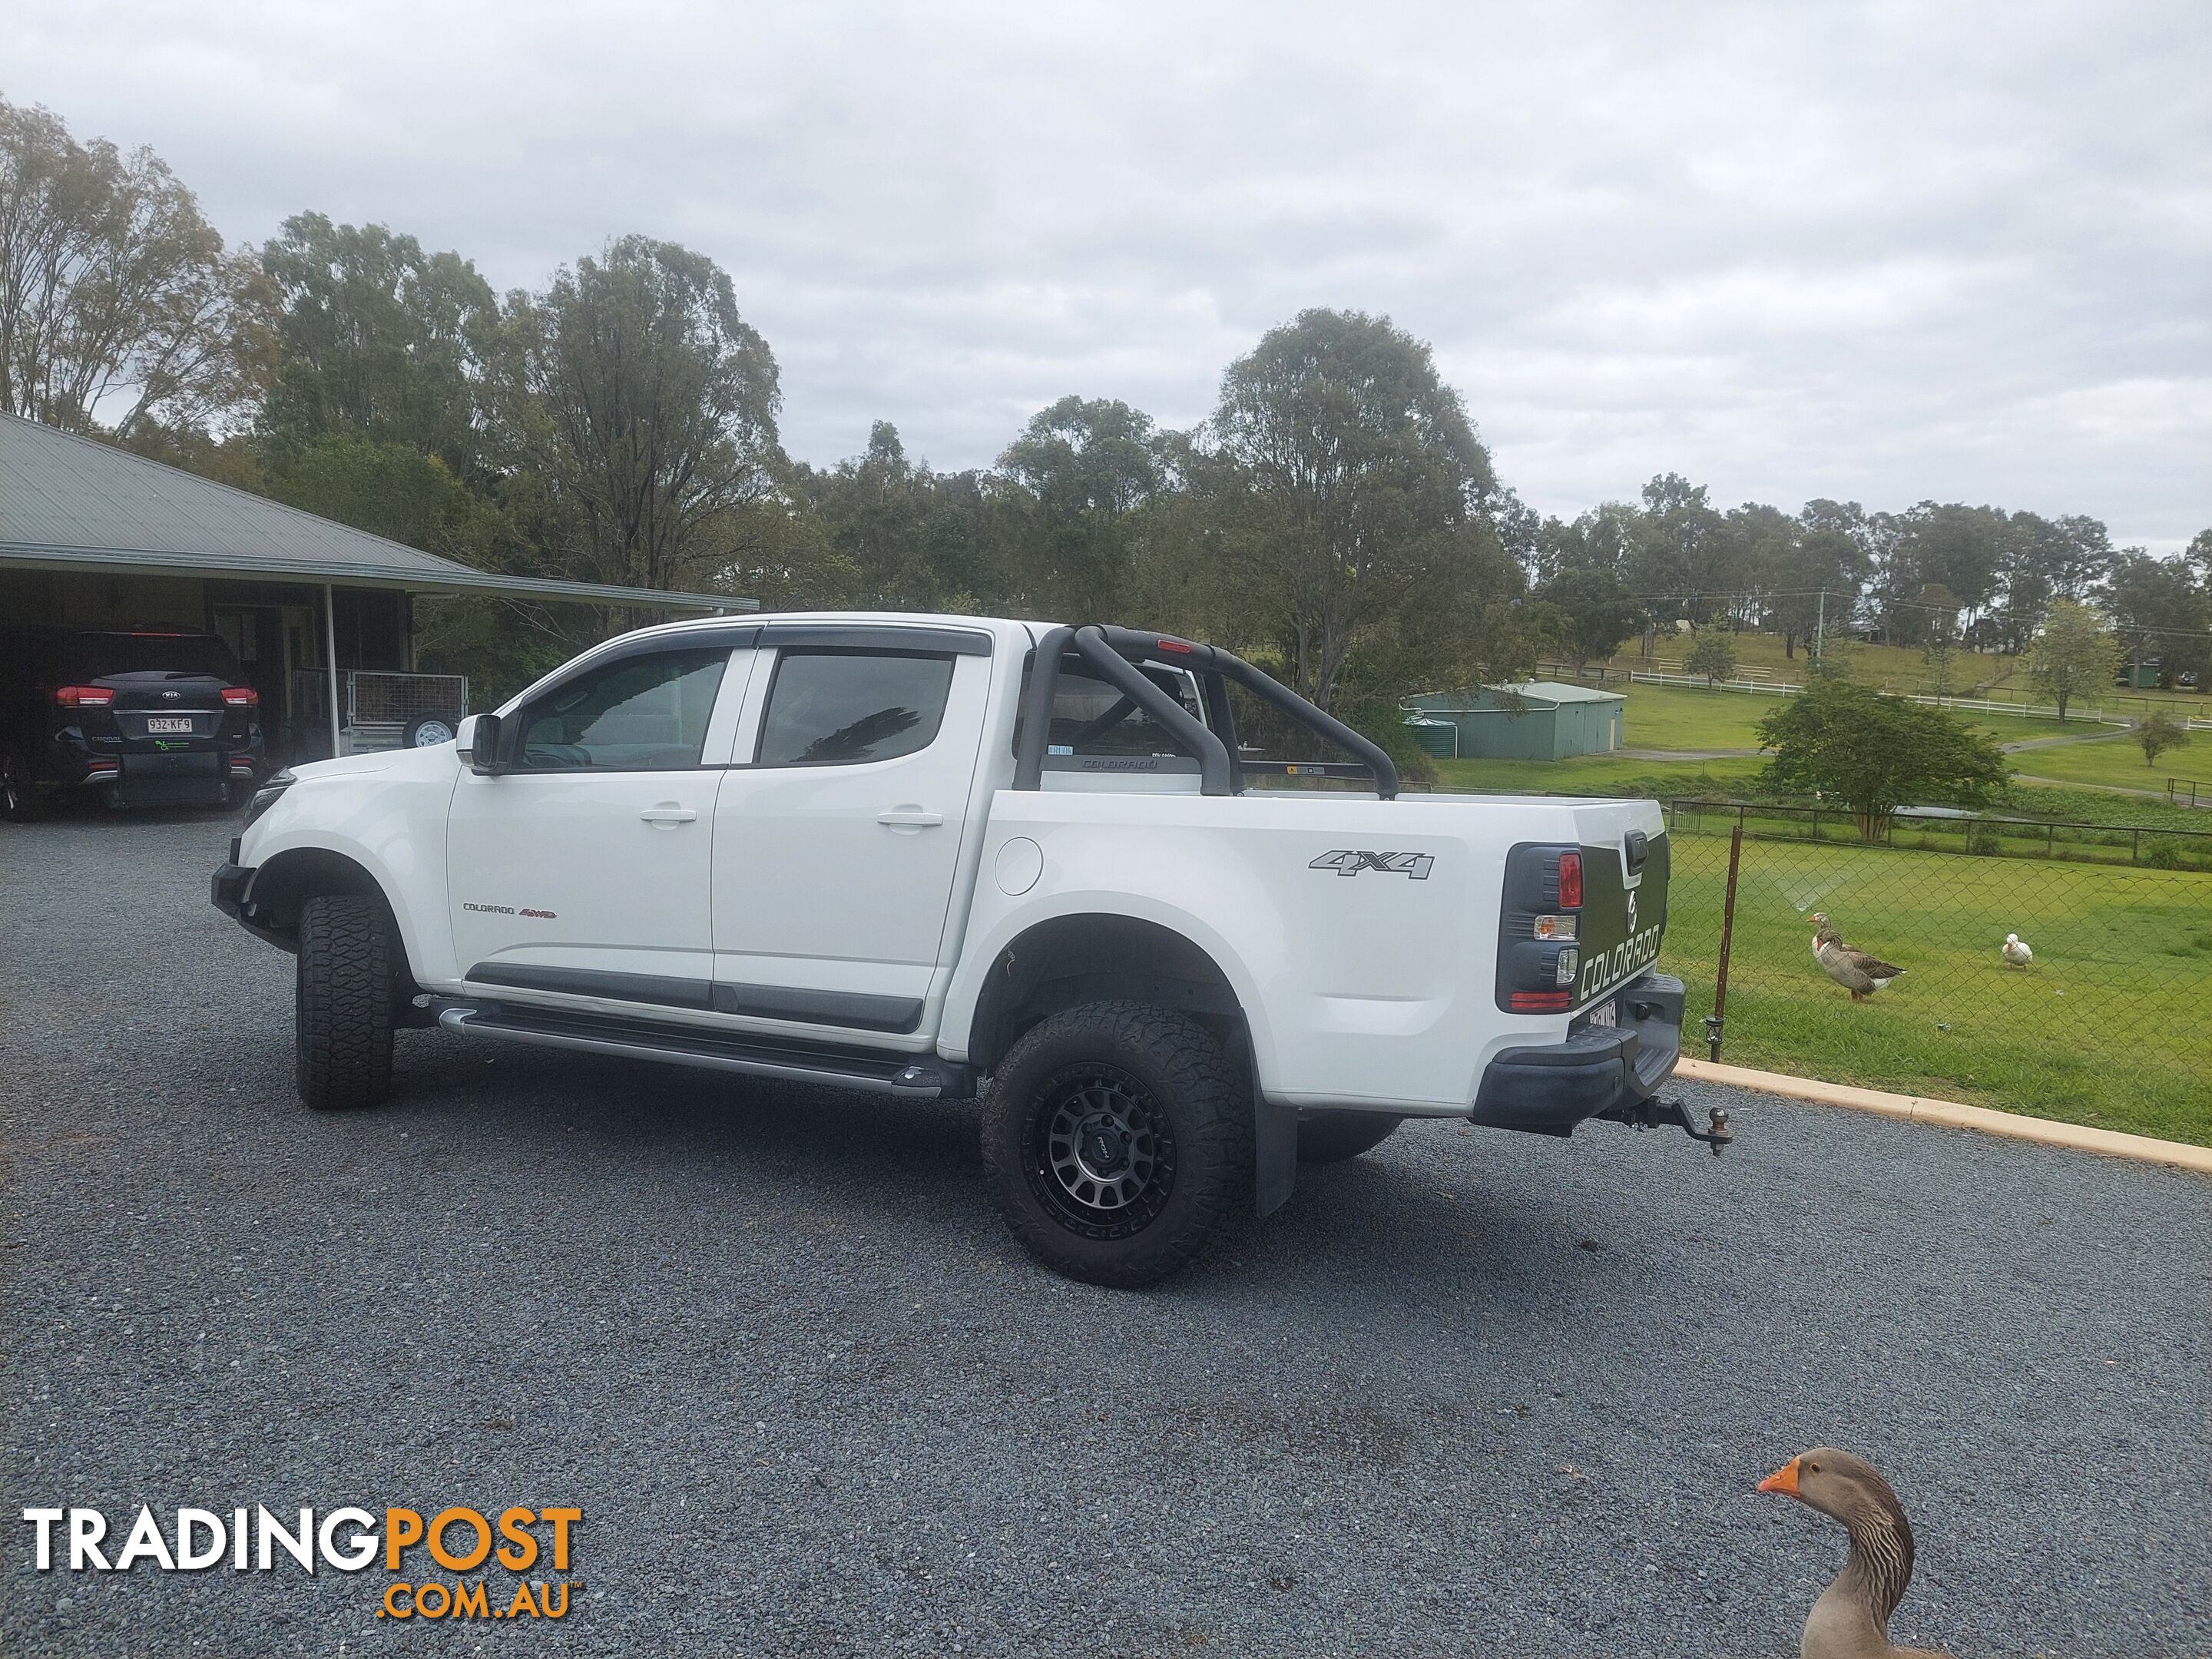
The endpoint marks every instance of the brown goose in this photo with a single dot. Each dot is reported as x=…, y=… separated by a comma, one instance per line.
x=1851, y=1618
x=1855, y=970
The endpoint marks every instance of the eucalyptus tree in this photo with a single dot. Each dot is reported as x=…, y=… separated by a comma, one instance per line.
x=1086, y=469
x=646, y=405
x=1350, y=490
x=120, y=308
x=379, y=340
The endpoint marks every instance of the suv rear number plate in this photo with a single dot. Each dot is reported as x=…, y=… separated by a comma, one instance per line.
x=169, y=723
x=1606, y=1013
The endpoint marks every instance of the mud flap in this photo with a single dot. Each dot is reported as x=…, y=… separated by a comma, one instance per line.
x=1274, y=1156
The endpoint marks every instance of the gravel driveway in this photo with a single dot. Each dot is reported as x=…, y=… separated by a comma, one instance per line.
x=1476, y=1393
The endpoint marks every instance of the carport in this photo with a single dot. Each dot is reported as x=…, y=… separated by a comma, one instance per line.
x=320, y=613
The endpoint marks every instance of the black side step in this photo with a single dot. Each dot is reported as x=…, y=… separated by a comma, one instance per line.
x=909, y=1077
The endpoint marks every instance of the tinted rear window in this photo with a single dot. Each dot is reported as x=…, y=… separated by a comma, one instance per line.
x=95, y=656
x=838, y=709
x=1091, y=716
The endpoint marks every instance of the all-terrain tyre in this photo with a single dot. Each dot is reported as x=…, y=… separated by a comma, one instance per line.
x=21, y=801
x=343, y=1029
x=1326, y=1137
x=1118, y=1138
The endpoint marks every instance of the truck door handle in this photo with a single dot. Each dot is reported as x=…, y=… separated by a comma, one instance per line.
x=668, y=814
x=904, y=818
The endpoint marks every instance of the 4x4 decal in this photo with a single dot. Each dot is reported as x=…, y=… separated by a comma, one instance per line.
x=1415, y=866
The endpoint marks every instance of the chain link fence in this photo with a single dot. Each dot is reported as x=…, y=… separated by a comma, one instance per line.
x=2108, y=1022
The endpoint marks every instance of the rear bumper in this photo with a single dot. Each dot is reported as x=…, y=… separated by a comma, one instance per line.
x=1549, y=1088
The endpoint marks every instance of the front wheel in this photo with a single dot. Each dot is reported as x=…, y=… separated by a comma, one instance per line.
x=1118, y=1137
x=1329, y=1136
x=342, y=1030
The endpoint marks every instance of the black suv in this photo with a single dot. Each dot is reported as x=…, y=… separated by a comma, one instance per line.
x=145, y=716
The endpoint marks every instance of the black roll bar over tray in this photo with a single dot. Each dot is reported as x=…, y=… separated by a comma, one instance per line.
x=1114, y=655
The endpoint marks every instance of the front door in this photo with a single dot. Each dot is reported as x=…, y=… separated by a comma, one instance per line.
x=585, y=870
x=837, y=846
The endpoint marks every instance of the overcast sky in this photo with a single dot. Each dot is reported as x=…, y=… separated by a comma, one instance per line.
x=1883, y=252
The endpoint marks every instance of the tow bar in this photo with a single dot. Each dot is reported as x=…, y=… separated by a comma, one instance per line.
x=1654, y=1113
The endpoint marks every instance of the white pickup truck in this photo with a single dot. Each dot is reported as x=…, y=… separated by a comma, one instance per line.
x=942, y=856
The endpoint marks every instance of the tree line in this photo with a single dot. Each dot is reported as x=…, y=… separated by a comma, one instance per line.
x=1336, y=515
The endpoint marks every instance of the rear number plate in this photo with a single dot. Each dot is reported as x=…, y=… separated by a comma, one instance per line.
x=1606, y=1013
x=169, y=723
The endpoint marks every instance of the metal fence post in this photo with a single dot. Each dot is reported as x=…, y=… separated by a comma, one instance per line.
x=1718, y=1018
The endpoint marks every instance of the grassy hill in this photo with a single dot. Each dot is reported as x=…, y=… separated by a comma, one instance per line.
x=1680, y=734
x=1902, y=668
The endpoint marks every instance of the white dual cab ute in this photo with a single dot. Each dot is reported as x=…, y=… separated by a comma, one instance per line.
x=941, y=857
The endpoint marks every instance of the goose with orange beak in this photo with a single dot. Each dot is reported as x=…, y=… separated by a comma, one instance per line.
x=1851, y=1618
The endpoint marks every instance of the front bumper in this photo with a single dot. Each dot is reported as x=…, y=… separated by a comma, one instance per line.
x=231, y=891
x=231, y=884
x=1547, y=1089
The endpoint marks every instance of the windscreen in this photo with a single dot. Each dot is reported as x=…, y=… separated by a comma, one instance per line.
x=96, y=656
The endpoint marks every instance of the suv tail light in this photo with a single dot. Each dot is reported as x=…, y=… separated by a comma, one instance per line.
x=1571, y=881
x=241, y=696
x=85, y=697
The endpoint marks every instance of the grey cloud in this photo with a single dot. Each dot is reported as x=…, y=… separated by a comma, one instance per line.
x=1885, y=251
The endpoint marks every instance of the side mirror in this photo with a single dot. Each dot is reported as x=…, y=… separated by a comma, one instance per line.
x=477, y=741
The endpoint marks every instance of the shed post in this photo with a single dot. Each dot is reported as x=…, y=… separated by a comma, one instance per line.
x=331, y=657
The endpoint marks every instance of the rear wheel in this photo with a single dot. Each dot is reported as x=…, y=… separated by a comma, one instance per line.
x=1326, y=1137
x=342, y=1033
x=1118, y=1137
x=21, y=800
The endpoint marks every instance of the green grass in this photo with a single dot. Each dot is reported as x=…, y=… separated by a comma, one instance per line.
x=2114, y=761
x=1670, y=717
x=1894, y=668
x=2110, y=1027
x=1682, y=717
x=2089, y=806
x=1901, y=668
x=1601, y=774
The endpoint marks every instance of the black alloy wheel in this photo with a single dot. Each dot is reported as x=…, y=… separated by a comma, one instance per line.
x=1098, y=1151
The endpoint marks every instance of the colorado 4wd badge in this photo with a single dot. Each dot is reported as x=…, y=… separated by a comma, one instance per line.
x=1414, y=865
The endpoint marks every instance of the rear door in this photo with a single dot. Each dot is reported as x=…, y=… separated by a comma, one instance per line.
x=838, y=835
x=586, y=870
x=1624, y=916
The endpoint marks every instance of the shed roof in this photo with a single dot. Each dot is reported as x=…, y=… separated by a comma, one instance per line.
x=73, y=503
x=1561, y=691
x=1538, y=694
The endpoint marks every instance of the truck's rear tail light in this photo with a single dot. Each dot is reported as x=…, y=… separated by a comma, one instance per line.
x=241, y=696
x=1571, y=881
x=241, y=763
x=85, y=697
x=1541, y=1002
x=1570, y=962
x=1175, y=646
x=1556, y=927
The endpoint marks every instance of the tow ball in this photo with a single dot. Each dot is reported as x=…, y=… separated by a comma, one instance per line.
x=1653, y=1114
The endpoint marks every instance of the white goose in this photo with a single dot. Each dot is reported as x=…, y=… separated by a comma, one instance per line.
x=2015, y=950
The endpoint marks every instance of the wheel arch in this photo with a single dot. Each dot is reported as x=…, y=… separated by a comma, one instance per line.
x=1065, y=960
x=283, y=886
